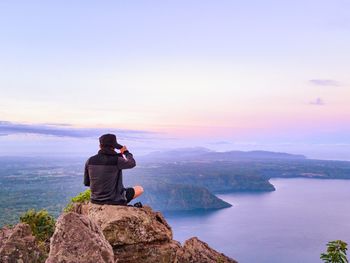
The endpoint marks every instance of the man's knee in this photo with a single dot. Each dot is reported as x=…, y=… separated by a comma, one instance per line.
x=138, y=190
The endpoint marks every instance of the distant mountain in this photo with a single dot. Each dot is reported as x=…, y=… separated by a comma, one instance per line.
x=255, y=155
x=178, y=153
x=201, y=154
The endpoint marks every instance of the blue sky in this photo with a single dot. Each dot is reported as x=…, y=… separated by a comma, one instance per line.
x=254, y=74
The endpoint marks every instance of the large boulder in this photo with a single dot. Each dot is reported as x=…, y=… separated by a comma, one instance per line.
x=195, y=250
x=78, y=239
x=18, y=245
x=142, y=235
x=126, y=225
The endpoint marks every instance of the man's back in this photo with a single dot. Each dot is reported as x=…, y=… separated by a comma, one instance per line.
x=103, y=173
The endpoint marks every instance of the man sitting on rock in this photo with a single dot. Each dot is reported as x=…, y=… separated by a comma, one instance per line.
x=103, y=173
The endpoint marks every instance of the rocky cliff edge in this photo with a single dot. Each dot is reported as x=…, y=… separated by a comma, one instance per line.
x=106, y=234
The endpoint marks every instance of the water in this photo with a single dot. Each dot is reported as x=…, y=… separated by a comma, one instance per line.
x=290, y=225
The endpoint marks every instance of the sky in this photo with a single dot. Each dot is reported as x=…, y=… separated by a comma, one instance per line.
x=226, y=75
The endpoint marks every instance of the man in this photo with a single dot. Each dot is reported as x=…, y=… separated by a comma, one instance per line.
x=103, y=173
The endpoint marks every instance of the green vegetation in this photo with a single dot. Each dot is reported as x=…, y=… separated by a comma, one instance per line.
x=220, y=260
x=80, y=198
x=41, y=223
x=336, y=252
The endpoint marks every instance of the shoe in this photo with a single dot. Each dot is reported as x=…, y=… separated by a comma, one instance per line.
x=138, y=205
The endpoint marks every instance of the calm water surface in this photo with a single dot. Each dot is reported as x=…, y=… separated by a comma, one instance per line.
x=290, y=225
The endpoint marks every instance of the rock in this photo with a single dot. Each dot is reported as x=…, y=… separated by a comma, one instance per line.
x=81, y=208
x=195, y=250
x=142, y=235
x=126, y=225
x=160, y=252
x=78, y=239
x=19, y=245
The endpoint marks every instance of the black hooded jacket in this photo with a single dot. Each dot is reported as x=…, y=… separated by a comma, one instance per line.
x=103, y=173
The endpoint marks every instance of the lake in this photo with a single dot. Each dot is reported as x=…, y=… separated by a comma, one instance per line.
x=291, y=225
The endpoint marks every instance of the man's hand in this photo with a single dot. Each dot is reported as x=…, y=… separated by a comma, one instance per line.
x=123, y=149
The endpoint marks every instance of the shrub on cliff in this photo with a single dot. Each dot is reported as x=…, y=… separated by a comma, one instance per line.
x=41, y=223
x=80, y=198
x=336, y=252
